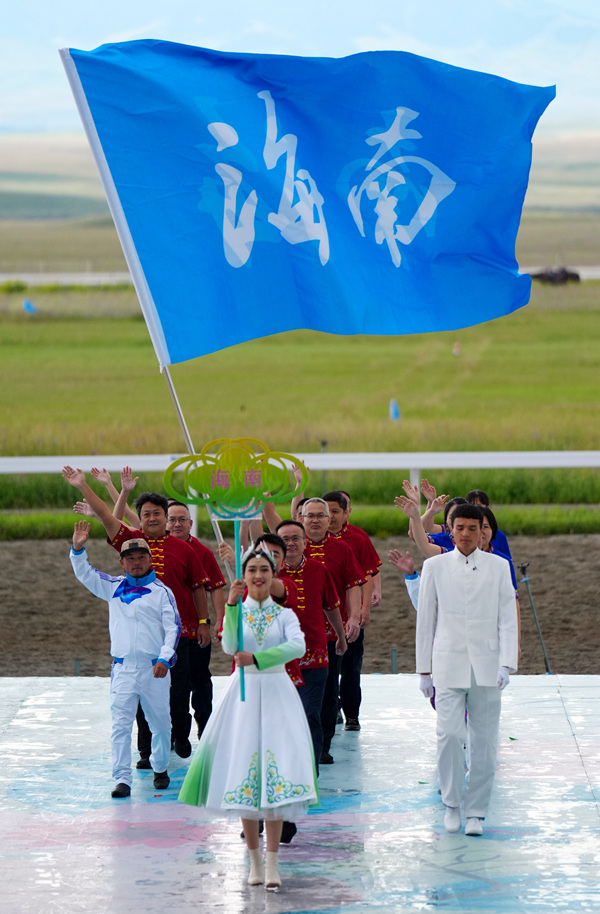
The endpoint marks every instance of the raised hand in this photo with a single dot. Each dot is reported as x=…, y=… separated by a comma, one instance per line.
x=81, y=532
x=411, y=492
x=75, y=477
x=438, y=504
x=407, y=506
x=403, y=562
x=128, y=482
x=102, y=475
x=298, y=472
x=428, y=490
x=82, y=507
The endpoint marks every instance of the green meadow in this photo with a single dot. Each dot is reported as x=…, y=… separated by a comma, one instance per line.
x=546, y=237
x=91, y=385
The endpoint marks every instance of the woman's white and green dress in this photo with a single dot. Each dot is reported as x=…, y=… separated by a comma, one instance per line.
x=255, y=758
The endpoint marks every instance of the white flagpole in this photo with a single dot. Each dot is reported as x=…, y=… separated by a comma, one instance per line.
x=135, y=268
x=190, y=447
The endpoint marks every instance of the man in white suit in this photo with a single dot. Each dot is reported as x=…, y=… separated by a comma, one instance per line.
x=466, y=647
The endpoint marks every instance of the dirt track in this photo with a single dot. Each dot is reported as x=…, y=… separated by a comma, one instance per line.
x=49, y=620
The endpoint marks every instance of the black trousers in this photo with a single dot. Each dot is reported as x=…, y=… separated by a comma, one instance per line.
x=200, y=683
x=311, y=696
x=329, y=708
x=350, y=692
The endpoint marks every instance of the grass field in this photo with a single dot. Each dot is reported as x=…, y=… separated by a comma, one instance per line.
x=527, y=381
x=546, y=238
x=379, y=521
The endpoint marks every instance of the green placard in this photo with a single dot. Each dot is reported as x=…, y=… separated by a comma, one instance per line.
x=235, y=477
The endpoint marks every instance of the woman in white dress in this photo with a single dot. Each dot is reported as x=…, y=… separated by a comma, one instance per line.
x=255, y=758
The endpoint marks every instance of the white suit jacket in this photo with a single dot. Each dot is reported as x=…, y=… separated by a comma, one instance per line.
x=467, y=618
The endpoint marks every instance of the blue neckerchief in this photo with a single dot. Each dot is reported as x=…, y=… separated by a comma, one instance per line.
x=139, y=582
x=131, y=588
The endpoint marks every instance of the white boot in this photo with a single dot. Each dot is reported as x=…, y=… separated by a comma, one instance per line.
x=257, y=870
x=272, y=877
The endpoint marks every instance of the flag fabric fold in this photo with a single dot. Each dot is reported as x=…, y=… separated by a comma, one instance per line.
x=379, y=193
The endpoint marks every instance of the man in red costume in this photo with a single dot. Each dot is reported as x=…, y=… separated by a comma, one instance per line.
x=348, y=578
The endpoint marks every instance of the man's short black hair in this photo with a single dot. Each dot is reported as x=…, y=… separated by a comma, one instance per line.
x=291, y=523
x=271, y=539
x=338, y=499
x=152, y=497
x=470, y=512
x=477, y=495
x=173, y=503
x=459, y=500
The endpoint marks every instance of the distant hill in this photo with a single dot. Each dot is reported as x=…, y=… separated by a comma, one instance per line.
x=17, y=206
x=565, y=173
x=46, y=176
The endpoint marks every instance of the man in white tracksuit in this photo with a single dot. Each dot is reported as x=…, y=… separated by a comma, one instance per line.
x=144, y=628
x=466, y=646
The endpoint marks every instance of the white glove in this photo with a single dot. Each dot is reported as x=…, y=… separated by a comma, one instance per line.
x=502, y=678
x=426, y=685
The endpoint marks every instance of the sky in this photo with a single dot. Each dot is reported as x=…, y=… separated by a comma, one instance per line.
x=540, y=42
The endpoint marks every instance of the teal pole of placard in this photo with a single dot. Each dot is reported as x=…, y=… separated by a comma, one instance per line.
x=240, y=628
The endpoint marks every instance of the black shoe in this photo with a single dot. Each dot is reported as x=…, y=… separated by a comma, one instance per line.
x=326, y=758
x=339, y=719
x=261, y=828
x=121, y=791
x=182, y=747
x=161, y=780
x=287, y=832
x=143, y=764
x=352, y=723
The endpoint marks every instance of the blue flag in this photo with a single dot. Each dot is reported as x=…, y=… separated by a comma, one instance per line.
x=379, y=193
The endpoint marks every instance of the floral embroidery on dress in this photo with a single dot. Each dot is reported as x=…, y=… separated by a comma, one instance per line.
x=260, y=618
x=247, y=793
x=278, y=789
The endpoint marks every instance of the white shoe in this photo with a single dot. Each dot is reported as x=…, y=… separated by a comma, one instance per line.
x=474, y=827
x=452, y=819
x=257, y=870
x=272, y=877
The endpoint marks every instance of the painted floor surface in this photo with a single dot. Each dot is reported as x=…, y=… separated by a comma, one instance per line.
x=375, y=844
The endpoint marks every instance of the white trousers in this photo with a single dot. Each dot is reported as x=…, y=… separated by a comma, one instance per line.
x=128, y=685
x=481, y=734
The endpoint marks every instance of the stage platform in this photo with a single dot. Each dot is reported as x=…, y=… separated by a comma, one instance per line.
x=375, y=844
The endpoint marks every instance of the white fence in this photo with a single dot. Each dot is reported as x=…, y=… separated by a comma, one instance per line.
x=411, y=462
x=408, y=463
